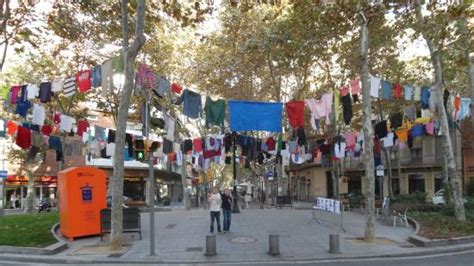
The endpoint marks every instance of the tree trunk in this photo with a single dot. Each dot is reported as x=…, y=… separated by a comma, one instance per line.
x=30, y=194
x=187, y=203
x=129, y=54
x=369, y=234
x=450, y=163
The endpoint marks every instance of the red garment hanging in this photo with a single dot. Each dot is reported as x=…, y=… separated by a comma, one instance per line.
x=295, y=111
x=397, y=90
x=83, y=80
x=82, y=126
x=23, y=137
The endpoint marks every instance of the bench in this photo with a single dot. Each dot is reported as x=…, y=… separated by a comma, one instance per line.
x=131, y=221
x=283, y=201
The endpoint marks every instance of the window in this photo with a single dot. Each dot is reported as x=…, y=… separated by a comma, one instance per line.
x=438, y=182
x=93, y=118
x=416, y=183
x=396, y=186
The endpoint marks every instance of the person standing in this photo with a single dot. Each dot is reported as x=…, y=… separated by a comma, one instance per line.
x=215, y=201
x=226, y=209
x=248, y=199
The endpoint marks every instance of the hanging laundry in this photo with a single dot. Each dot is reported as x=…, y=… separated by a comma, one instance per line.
x=417, y=130
x=39, y=115
x=35, y=128
x=396, y=120
x=169, y=126
x=408, y=92
x=146, y=77
x=430, y=128
x=162, y=87
x=23, y=93
x=247, y=116
x=397, y=91
x=107, y=73
x=176, y=88
x=96, y=76
x=55, y=143
x=374, y=86
x=12, y=128
x=45, y=92
x=57, y=85
x=56, y=117
x=465, y=110
x=422, y=120
x=82, y=127
x=32, y=91
x=83, y=80
x=118, y=65
x=22, y=108
x=192, y=103
x=23, y=137
x=337, y=111
x=215, y=112
x=69, y=87
x=317, y=109
x=355, y=86
x=346, y=108
x=327, y=101
x=410, y=112
x=386, y=89
x=66, y=123
x=46, y=130
x=377, y=147
x=212, y=148
x=417, y=93
x=14, y=90
x=343, y=91
x=445, y=98
x=271, y=143
x=2, y=128
x=389, y=140
x=197, y=145
x=295, y=111
x=457, y=106
x=350, y=138
x=381, y=129
x=340, y=150
x=37, y=139
x=425, y=97
x=301, y=136
x=402, y=134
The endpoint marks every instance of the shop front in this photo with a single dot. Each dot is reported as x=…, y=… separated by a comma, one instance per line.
x=15, y=189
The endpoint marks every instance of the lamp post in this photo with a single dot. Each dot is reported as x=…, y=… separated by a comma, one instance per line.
x=235, y=207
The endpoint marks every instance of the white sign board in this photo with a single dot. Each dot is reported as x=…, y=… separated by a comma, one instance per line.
x=328, y=205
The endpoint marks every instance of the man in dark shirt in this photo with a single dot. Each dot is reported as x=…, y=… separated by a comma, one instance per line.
x=226, y=209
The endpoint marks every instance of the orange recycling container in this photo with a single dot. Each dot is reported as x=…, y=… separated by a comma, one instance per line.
x=82, y=194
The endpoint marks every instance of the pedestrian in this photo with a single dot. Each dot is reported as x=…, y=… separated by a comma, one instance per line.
x=248, y=199
x=215, y=201
x=226, y=209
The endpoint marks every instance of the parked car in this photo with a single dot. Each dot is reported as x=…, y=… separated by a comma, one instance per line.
x=438, y=198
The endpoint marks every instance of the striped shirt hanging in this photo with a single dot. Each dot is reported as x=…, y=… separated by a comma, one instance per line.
x=69, y=86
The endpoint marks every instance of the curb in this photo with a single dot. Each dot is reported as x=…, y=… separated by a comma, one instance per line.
x=49, y=250
x=425, y=242
x=158, y=260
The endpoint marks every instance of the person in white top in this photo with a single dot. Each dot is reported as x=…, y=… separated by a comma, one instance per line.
x=215, y=202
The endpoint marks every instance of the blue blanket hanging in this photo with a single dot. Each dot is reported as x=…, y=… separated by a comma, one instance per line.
x=259, y=116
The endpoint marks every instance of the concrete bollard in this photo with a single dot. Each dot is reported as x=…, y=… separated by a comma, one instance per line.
x=334, y=244
x=273, y=245
x=210, y=245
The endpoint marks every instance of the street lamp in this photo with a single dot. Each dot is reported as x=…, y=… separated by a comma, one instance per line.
x=235, y=208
